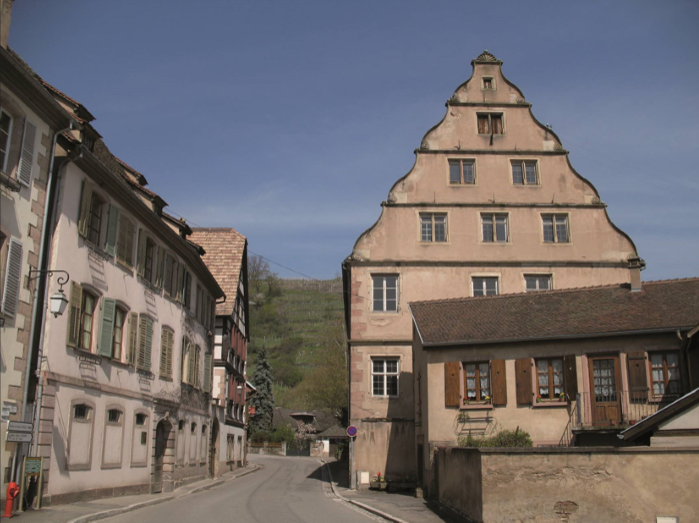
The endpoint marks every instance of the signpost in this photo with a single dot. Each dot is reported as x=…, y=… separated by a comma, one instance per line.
x=351, y=431
x=19, y=437
x=19, y=426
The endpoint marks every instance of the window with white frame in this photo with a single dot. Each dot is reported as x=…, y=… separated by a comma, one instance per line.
x=495, y=228
x=485, y=285
x=385, y=293
x=537, y=282
x=433, y=227
x=384, y=377
x=462, y=172
x=525, y=172
x=555, y=228
x=5, y=133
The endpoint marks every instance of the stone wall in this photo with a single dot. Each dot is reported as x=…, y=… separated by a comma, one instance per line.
x=568, y=484
x=268, y=449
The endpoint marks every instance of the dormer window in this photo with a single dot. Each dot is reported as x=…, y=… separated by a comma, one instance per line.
x=488, y=83
x=490, y=123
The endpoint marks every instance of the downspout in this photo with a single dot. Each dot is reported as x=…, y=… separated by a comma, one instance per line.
x=38, y=307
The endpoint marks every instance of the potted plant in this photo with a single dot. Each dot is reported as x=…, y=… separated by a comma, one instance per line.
x=562, y=396
x=378, y=482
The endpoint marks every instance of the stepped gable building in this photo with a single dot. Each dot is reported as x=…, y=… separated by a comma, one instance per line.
x=491, y=206
x=226, y=256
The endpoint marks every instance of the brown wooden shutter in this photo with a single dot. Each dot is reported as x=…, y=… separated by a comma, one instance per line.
x=499, y=379
x=483, y=124
x=570, y=377
x=496, y=123
x=523, y=369
x=452, y=385
x=638, y=379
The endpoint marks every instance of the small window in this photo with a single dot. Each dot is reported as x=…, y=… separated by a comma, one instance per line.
x=477, y=382
x=665, y=374
x=462, y=172
x=193, y=428
x=495, y=228
x=485, y=286
x=433, y=227
x=119, y=317
x=95, y=219
x=490, y=123
x=81, y=412
x=555, y=228
x=537, y=282
x=384, y=377
x=385, y=293
x=5, y=134
x=140, y=419
x=488, y=83
x=180, y=425
x=549, y=379
x=87, y=312
x=113, y=416
x=144, y=438
x=525, y=172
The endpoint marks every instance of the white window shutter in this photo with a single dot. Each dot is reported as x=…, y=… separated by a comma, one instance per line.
x=26, y=161
x=13, y=276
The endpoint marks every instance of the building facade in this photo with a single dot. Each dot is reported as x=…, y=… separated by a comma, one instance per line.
x=226, y=257
x=491, y=206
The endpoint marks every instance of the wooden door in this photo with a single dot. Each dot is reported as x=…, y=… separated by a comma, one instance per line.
x=605, y=397
x=161, y=435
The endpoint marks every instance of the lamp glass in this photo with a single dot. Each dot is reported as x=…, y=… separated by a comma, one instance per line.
x=58, y=304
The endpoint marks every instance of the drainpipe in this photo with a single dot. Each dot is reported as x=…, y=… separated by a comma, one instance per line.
x=37, y=306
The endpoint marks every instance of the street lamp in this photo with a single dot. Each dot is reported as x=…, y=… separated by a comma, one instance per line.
x=58, y=301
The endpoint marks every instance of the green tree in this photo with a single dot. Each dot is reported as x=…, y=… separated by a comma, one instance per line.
x=263, y=400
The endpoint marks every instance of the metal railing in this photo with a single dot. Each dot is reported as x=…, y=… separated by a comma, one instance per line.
x=616, y=409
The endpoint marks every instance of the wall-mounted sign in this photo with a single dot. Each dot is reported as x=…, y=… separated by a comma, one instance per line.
x=19, y=437
x=19, y=426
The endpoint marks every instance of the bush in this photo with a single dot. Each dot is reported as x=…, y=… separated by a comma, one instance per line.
x=259, y=436
x=504, y=438
x=285, y=433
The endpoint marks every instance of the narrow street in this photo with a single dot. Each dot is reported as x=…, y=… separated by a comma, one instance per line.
x=288, y=490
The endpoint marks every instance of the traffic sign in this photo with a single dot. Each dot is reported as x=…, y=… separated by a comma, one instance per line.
x=19, y=437
x=351, y=431
x=19, y=426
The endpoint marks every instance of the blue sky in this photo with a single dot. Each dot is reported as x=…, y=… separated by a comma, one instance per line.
x=290, y=121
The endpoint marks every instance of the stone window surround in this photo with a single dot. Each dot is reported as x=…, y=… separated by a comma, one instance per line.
x=538, y=275
x=494, y=215
x=473, y=161
x=568, y=227
x=371, y=293
x=384, y=357
x=15, y=138
x=486, y=275
x=419, y=213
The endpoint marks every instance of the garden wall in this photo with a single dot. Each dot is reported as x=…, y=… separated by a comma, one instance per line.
x=270, y=449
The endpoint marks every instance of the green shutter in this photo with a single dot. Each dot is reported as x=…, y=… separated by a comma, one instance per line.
x=207, y=373
x=141, y=255
x=73, y=326
x=133, y=338
x=166, y=343
x=142, y=329
x=104, y=346
x=83, y=219
x=161, y=268
x=149, y=341
x=112, y=223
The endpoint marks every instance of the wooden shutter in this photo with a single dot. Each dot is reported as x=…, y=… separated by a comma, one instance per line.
x=145, y=342
x=499, y=381
x=73, y=326
x=26, y=161
x=180, y=281
x=167, y=275
x=207, y=373
x=104, y=346
x=160, y=268
x=13, y=278
x=141, y=255
x=149, y=341
x=570, y=377
x=638, y=379
x=84, y=217
x=166, y=343
x=133, y=338
x=452, y=384
x=496, y=122
x=482, y=124
x=124, y=249
x=112, y=224
x=184, y=363
x=523, y=377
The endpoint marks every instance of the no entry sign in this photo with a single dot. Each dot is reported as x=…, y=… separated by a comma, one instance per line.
x=351, y=431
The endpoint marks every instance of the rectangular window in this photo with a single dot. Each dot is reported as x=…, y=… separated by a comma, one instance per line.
x=149, y=267
x=495, y=227
x=170, y=278
x=187, y=289
x=384, y=377
x=549, y=382
x=485, y=286
x=537, y=282
x=385, y=293
x=477, y=382
x=87, y=310
x=462, y=172
x=125, y=239
x=433, y=227
x=119, y=316
x=490, y=123
x=524, y=172
x=488, y=83
x=5, y=133
x=95, y=219
x=555, y=228
x=665, y=374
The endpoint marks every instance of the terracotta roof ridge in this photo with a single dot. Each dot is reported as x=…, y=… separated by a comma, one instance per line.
x=59, y=92
x=139, y=186
x=217, y=229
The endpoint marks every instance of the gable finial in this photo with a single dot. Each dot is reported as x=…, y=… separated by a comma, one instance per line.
x=485, y=56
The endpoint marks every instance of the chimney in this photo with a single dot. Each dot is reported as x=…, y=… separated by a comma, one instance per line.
x=636, y=265
x=5, y=17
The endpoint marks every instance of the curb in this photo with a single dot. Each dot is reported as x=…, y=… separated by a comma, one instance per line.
x=143, y=504
x=368, y=508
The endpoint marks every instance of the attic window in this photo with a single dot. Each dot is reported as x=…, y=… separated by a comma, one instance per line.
x=490, y=123
x=488, y=83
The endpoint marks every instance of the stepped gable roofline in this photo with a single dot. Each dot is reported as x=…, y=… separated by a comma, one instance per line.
x=610, y=310
x=225, y=256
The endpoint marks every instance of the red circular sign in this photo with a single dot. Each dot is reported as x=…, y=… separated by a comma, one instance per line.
x=351, y=431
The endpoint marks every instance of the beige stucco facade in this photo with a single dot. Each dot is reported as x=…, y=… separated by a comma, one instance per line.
x=596, y=251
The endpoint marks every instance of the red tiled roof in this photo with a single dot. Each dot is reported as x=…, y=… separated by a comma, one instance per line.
x=58, y=92
x=592, y=311
x=224, y=257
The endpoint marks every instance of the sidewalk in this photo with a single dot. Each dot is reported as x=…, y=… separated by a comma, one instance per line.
x=396, y=507
x=83, y=512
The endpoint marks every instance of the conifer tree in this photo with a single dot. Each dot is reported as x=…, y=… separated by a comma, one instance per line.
x=263, y=400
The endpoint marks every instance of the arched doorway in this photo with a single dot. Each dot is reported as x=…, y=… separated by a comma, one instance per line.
x=213, y=449
x=162, y=433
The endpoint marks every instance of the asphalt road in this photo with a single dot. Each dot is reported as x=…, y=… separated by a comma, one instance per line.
x=286, y=490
